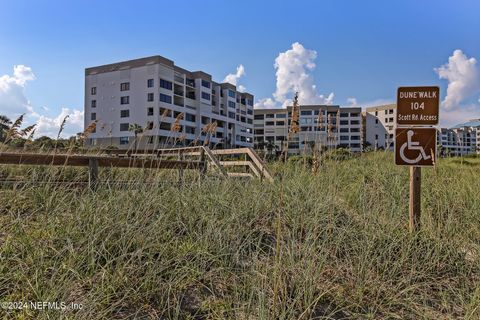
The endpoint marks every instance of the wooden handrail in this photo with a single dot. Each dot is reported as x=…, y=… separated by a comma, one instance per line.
x=103, y=161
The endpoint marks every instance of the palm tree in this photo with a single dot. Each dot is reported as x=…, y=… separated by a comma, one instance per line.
x=271, y=146
x=5, y=123
x=311, y=144
x=136, y=129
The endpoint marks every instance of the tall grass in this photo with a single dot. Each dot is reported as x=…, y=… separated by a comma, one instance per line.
x=331, y=245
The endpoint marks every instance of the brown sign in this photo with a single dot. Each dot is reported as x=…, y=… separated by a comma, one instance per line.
x=417, y=105
x=415, y=146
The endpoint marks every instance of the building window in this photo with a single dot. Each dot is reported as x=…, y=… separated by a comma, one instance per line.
x=93, y=91
x=94, y=104
x=280, y=123
x=93, y=116
x=343, y=114
x=250, y=102
x=124, y=113
x=376, y=121
x=231, y=115
x=231, y=104
x=165, y=98
x=123, y=140
x=205, y=84
x=354, y=114
x=231, y=94
x=125, y=100
x=354, y=122
x=306, y=113
x=165, y=84
x=205, y=96
x=150, y=111
x=269, y=123
x=150, y=83
x=165, y=113
x=124, y=126
x=176, y=114
x=281, y=115
x=150, y=139
x=190, y=82
x=269, y=116
x=149, y=125
x=150, y=97
x=343, y=122
x=258, y=117
x=125, y=86
x=189, y=117
x=343, y=129
x=343, y=138
x=355, y=138
x=165, y=126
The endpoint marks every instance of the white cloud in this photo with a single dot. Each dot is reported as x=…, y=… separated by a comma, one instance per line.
x=449, y=117
x=266, y=103
x=47, y=126
x=23, y=74
x=352, y=102
x=14, y=102
x=234, y=77
x=463, y=75
x=293, y=75
x=376, y=102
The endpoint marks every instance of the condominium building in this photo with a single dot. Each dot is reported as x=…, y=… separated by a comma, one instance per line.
x=456, y=141
x=168, y=105
x=460, y=140
x=380, y=126
x=317, y=127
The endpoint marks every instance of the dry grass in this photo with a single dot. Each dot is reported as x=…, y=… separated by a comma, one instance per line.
x=330, y=246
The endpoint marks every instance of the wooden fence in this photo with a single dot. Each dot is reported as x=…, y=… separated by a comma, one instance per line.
x=203, y=160
x=95, y=161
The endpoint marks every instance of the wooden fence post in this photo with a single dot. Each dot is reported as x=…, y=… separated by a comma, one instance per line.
x=92, y=173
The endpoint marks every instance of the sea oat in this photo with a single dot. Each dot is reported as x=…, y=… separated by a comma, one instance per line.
x=176, y=127
x=62, y=126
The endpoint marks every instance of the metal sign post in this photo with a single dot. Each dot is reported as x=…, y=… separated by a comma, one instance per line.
x=416, y=139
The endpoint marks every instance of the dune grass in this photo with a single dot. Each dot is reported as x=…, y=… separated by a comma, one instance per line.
x=331, y=246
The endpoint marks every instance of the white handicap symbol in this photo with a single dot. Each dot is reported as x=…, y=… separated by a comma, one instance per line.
x=412, y=145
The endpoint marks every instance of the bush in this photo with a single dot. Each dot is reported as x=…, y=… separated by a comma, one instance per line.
x=340, y=154
x=300, y=159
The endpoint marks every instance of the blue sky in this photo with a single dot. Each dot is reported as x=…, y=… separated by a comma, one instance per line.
x=364, y=49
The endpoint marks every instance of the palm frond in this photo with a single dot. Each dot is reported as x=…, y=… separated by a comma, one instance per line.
x=5, y=121
x=28, y=130
x=13, y=132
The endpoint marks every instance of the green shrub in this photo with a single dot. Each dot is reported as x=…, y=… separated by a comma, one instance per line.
x=339, y=154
